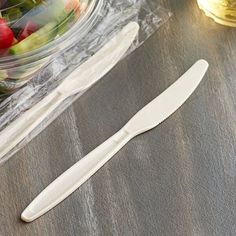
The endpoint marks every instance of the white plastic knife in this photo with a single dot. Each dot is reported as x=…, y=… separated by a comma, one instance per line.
x=147, y=118
x=79, y=80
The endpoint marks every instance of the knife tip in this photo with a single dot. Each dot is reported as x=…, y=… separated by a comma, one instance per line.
x=203, y=62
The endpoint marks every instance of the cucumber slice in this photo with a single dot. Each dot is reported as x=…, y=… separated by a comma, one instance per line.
x=3, y=75
x=64, y=25
x=35, y=40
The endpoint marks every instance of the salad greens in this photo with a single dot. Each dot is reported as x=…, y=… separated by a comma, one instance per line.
x=26, y=25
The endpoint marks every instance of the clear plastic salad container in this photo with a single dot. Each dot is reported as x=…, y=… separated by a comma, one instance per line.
x=33, y=31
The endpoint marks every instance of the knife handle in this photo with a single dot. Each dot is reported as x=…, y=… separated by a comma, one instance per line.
x=75, y=176
x=14, y=133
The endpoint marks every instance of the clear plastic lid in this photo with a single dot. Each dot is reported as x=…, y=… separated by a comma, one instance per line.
x=26, y=25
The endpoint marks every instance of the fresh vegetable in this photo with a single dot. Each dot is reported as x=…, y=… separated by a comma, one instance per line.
x=29, y=28
x=12, y=14
x=64, y=25
x=3, y=74
x=30, y=24
x=6, y=35
x=73, y=5
x=35, y=40
x=27, y=4
x=26, y=25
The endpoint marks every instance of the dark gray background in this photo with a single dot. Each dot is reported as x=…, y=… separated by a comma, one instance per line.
x=178, y=179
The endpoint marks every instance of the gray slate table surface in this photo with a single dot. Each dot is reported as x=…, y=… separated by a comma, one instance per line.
x=178, y=179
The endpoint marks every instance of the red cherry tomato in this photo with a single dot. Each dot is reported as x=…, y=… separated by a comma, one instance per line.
x=2, y=22
x=29, y=28
x=6, y=35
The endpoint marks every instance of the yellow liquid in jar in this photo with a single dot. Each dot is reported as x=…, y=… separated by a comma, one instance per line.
x=222, y=11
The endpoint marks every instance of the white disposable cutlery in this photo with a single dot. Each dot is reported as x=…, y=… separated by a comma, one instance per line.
x=81, y=79
x=147, y=118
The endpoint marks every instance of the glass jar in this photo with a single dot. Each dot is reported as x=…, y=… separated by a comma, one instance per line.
x=222, y=11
